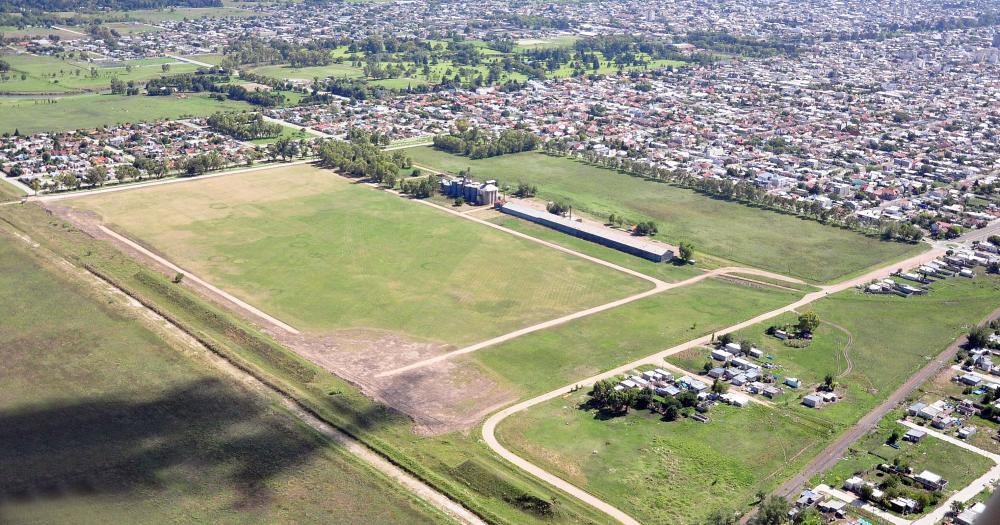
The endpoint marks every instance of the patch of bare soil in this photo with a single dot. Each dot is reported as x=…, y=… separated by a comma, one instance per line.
x=445, y=397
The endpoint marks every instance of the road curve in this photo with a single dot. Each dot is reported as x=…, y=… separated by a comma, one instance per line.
x=489, y=426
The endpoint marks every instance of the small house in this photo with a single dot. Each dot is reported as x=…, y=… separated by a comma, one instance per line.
x=721, y=355
x=914, y=436
x=755, y=353
x=854, y=484
x=812, y=401
x=966, y=432
x=970, y=379
x=717, y=372
x=793, y=382
x=930, y=480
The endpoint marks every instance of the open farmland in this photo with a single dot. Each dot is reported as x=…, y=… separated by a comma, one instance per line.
x=728, y=230
x=29, y=115
x=663, y=472
x=545, y=360
x=103, y=421
x=890, y=339
x=327, y=255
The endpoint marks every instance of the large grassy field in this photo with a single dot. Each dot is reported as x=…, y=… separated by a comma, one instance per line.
x=325, y=254
x=44, y=74
x=545, y=360
x=664, y=472
x=103, y=422
x=893, y=337
x=458, y=463
x=728, y=230
x=90, y=111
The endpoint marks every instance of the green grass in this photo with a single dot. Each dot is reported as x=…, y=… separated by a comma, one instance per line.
x=361, y=258
x=286, y=132
x=663, y=472
x=91, y=111
x=44, y=74
x=9, y=192
x=955, y=464
x=749, y=236
x=893, y=338
x=438, y=460
x=286, y=72
x=664, y=271
x=102, y=422
x=544, y=360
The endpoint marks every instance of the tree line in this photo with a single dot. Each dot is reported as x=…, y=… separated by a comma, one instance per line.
x=476, y=143
x=744, y=191
x=214, y=82
x=244, y=126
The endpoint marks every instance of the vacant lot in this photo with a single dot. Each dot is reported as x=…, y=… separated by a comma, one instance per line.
x=101, y=421
x=548, y=359
x=728, y=230
x=324, y=254
x=658, y=471
x=90, y=111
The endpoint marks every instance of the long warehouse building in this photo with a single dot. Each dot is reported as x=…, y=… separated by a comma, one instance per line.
x=619, y=240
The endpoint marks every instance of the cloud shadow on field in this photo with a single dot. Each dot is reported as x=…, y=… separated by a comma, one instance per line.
x=118, y=445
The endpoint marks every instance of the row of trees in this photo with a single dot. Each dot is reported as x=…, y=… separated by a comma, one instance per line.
x=477, y=144
x=745, y=192
x=244, y=126
x=605, y=397
x=359, y=159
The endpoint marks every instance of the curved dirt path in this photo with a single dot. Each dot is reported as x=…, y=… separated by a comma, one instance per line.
x=489, y=426
x=847, y=347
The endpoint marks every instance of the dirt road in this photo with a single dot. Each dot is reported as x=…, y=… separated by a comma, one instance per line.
x=156, y=322
x=829, y=457
x=659, y=288
x=489, y=427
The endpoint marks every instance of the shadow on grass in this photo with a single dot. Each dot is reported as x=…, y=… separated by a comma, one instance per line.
x=120, y=445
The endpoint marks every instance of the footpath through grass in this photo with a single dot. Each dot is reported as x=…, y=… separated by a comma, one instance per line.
x=102, y=421
x=325, y=254
x=749, y=236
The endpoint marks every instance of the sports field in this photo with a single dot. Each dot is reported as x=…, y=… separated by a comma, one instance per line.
x=662, y=472
x=102, y=421
x=886, y=339
x=545, y=360
x=749, y=236
x=29, y=115
x=324, y=254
